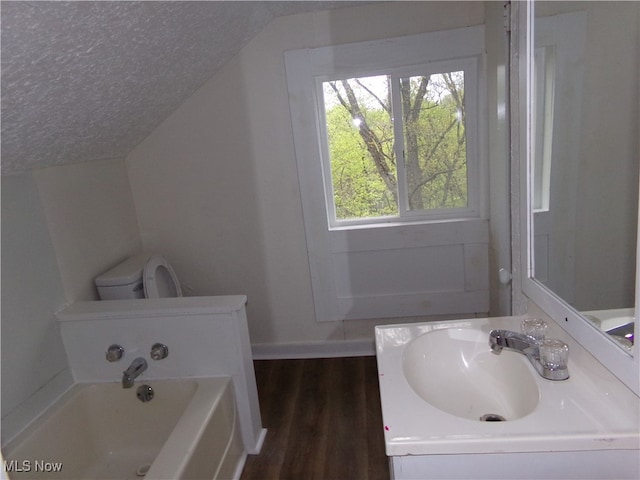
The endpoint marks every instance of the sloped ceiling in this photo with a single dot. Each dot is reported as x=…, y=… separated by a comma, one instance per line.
x=89, y=80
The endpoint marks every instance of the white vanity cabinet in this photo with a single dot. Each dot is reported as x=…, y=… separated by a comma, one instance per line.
x=585, y=427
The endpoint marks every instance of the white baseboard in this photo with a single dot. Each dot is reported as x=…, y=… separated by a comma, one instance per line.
x=342, y=348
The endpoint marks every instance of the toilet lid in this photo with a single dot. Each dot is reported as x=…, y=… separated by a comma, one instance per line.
x=160, y=280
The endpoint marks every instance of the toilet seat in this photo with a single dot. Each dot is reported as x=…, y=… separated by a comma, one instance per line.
x=159, y=279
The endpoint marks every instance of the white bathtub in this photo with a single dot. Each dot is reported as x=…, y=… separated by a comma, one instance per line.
x=102, y=431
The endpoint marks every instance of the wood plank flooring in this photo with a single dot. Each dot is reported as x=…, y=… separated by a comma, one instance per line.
x=323, y=418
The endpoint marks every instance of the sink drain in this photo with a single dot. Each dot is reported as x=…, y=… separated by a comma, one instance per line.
x=492, y=417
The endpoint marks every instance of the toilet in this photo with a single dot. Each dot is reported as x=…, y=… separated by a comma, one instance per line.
x=141, y=276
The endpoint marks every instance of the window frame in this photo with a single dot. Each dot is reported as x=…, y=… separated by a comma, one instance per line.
x=331, y=250
x=543, y=84
x=469, y=65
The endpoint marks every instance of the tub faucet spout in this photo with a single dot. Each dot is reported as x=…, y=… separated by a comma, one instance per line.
x=138, y=366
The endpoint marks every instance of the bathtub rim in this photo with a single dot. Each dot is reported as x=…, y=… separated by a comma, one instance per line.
x=54, y=403
x=206, y=386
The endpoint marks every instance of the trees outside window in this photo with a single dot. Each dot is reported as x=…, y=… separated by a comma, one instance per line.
x=372, y=121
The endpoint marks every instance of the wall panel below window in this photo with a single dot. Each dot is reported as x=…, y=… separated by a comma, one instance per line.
x=409, y=270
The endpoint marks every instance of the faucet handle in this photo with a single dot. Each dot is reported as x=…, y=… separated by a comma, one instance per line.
x=159, y=351
x=554, y=354
x=536, y=328
x=114, y=353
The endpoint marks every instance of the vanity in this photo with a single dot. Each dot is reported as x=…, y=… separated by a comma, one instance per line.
x=492, y=416
x=452, y=408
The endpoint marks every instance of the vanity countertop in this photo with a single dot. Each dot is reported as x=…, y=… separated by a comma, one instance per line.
x=592, y=410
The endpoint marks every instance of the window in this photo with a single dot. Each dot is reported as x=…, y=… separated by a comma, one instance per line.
x=400, y=146
x=544, y=91
x=387, y=137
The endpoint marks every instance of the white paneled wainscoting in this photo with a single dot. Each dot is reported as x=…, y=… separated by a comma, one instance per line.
x=426, y=269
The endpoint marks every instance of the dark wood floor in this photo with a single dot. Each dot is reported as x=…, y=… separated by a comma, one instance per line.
x=323, y=419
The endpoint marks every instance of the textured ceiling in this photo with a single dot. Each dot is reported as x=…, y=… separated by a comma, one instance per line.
x=89, y=80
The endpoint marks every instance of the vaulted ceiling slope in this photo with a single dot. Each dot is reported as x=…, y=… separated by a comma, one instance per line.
x=89, y=80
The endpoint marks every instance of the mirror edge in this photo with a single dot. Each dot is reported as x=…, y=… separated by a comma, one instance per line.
x=625, y=366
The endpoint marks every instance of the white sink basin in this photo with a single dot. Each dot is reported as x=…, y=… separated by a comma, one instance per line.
x=454, y=370
x=438, y=378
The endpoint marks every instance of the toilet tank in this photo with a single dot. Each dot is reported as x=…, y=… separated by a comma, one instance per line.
x=124, y=281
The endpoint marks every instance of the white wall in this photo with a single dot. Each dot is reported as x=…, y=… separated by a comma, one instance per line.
x=32, y=352
x=216, y=187
x=92, y=221
x=61, y=227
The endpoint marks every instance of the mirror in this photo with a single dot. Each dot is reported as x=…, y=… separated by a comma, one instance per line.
x=594, y=22
x=584, y=186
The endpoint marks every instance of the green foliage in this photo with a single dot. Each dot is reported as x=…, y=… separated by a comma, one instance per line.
x=359, y=191
x=363, y=165
x=441, y=157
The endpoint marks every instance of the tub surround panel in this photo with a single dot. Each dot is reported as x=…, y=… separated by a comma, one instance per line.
x=206, y=336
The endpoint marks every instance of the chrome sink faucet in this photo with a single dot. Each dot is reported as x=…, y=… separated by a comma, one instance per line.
x=138, y=366
x=552, y=364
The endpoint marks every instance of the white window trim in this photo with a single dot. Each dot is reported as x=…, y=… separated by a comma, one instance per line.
x=307, y=68
x=303, y=68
